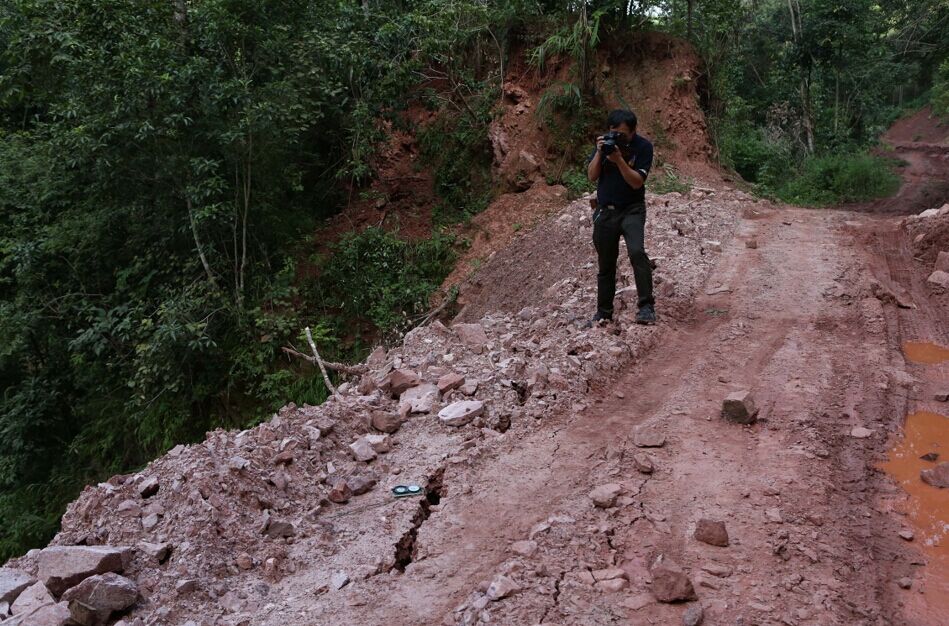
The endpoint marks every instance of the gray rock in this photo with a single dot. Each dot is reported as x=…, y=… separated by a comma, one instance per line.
x=501, y=587
x=62, y=567
x=740, y=407
x=693, y=615
x=362, y=450
x=450, y=381
x=361, y=484
x=644, y=463
x=32, y=598
x=942, y=261
x=380, y=443
x=939, y=279
x=859, y=432
x=186, y=586
x=12, y=583
x=148, y=487
x=524, y=548
x=648, y=437
x=386, y=422
x=47, y=615
x=150, y=521
x=340, y=492
x=711, y=532
x=93, y=601
x=339, y=580
x=460, y=413
x=421, y=398
x=605, y=496
x=278, y=528
x=937, y=476
x=669, y=583
x=471, y=335
x=399, y=380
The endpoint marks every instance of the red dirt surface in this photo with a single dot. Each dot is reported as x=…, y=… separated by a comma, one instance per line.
x=921, y=142
x=808, y=310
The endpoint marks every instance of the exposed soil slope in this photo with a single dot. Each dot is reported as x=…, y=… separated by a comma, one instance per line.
x=921, y=142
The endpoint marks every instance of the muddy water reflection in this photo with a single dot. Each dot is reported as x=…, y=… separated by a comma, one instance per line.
x=927, y=506
x=925, y=352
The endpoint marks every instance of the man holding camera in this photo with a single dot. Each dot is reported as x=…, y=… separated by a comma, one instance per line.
x=620, y=164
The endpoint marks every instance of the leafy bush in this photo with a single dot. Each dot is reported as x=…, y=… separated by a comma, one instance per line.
x=831, y=179
x=457, y=148
x=577, y=183
x=667, y=180
x=376, y=277
x=940, y=91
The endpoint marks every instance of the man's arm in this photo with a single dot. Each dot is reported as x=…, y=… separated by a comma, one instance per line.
x=633, y=178
x=595, y=167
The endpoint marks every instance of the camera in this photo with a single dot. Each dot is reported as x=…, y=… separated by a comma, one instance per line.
x=611, y=140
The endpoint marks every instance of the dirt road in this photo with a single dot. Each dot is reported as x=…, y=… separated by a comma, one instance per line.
x=813, y=539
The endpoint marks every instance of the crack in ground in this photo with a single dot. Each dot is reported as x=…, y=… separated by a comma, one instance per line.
x=555, y=597
x=407, y=548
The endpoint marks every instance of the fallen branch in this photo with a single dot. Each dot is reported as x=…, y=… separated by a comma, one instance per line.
x=330, y=365
x=319, y=361
x=340, y=367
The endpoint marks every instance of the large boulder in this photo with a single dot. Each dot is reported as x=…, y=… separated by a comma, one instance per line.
x=56, y=614
x=62, y=567
x=93, y=601
x=740, y=407
x=32, y=598
x=12, y=583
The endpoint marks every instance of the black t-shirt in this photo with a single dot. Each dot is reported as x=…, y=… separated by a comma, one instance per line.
x=611, y=187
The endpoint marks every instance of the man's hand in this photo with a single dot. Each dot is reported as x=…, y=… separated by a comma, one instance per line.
x=616, y=156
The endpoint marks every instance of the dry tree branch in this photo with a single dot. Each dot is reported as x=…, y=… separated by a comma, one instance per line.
x=330, y=365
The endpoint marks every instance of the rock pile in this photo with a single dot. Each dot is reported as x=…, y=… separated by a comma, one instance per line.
x=205, y=531
x=77, y=585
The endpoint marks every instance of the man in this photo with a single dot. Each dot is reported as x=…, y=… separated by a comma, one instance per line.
x=620, y=175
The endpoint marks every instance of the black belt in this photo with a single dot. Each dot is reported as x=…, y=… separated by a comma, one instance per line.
x=617, y=207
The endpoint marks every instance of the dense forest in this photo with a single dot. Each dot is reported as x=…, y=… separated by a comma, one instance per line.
x=163, y=166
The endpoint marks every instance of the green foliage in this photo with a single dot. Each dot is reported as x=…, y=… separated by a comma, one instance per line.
x=577, y=183
x=457, y=148
x=831, y=179
x=820, y=180
x=667, y=180
x=160, y=164
x=374, y=276
x=940, y=91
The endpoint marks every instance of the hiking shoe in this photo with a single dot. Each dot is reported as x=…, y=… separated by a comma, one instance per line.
x=646, y=315
x=599, y=319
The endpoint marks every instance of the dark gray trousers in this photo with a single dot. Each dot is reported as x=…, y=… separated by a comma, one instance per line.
x=608, y=226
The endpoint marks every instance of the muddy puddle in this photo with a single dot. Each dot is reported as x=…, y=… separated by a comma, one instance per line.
x=927, y=509
x=925, y=352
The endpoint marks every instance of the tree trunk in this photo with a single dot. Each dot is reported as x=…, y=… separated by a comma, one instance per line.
x=688, y=22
